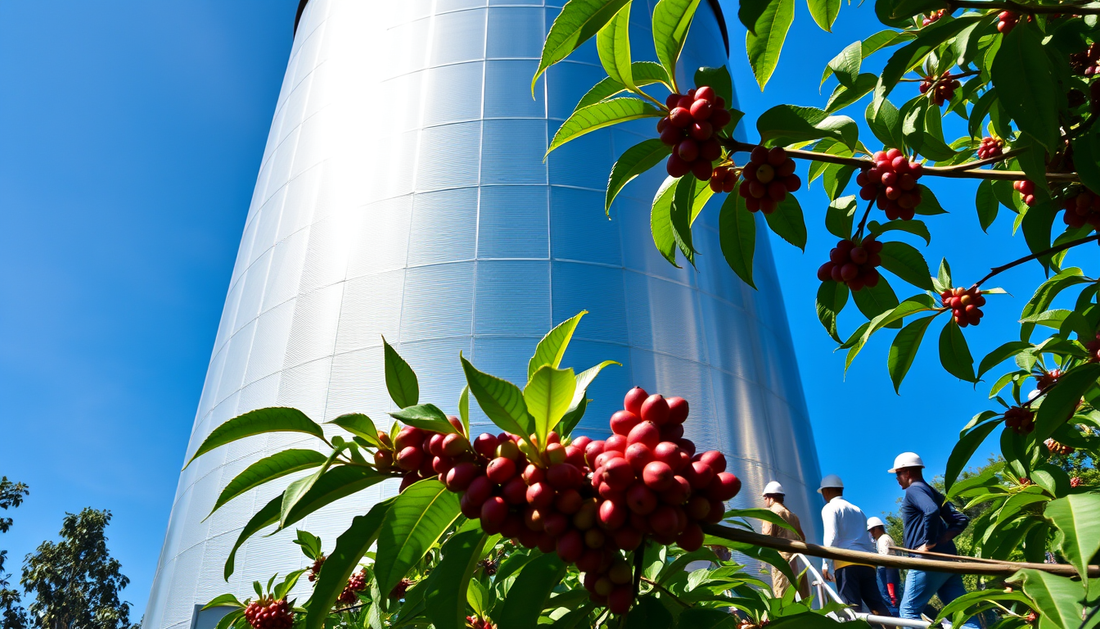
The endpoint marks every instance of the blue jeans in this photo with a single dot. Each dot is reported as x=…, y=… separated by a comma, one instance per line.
x=881, y=575
x=921, y=585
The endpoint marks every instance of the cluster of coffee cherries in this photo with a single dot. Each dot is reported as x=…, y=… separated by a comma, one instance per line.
x=268, y=613
x=1058, y=448
x=473, y=622
x=356, y=583
x=1047, y=379
x=1075, y=482
x=965, y=304
x=421, y=454
x=399, y=590
x=1007, y=20
x=1020, y=419
x=588, y=501
x=1026, y=188
x=933, y=17
x=853, y=264
x=767, y=179
x=1086, y=62
x=942, y=87
x=723, y=179
x=611, y=585
x=1093, y=349
x=1082, y=209
x=991, y=147
x=892, y=182
x=315, y=569
x=690, y=128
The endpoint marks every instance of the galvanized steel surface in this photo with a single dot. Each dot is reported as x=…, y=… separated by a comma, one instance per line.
x=403, y=193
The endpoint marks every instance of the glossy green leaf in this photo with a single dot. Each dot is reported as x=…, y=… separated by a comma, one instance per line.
x=309, y=543
x=1001, y=354
x=907, y=263
x=788, y=124
x=548, y=395
x=1037, y=222
x=750, y=11
x=660, y=220
x=911, y=54
x=296, y=490
x=261, y=519
x=613, y=46
x=873, y=44
x=400, y=378
x=644, y=73
x=962, y=452
x=955, y=354
x=737, y=235
x=987, y=205
x=845, y=95
x=336, y=483
x=425, y=417
x=706, y=618
x=446, y=601
x=1078, y=518
x=721, y=82
x=415, y=521
x=891, y=317
x=671, y=21
x=1058, y=598
x=225, y=600
x=351, y=547
x=267, y=469
x=501, y=400
x=529, y=593
x=602, y=114
x=915, y=227
x=578, y=21
x=824, y=12
x=766, y=555
x=840, y=215
x=929, y=205
x=885, y=124
x=551, y=349
x=579, y=404
x=1020, y=65
x=873, y=301
x=788, y=222
x=831, y=298
x=1062, y=399
x=649, y=613
x=680, y=215
x=904, y=349
x=258, y=422
x=633, y=162
x=359, y=425
x=1044, y=295
x=1086, y=157
x=765, y=44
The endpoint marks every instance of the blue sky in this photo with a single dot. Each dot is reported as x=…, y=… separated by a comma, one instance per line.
x=130, y=137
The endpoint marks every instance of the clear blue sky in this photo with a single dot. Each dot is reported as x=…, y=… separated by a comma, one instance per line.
x=130, y=137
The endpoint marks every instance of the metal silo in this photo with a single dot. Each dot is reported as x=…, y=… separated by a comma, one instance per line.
x=403, y=193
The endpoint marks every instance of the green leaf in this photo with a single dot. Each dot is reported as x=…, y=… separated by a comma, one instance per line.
x=810, y=620
x=831, y=298
x=720, y=81
x=767, y=555
x=888, y=318
x=1045, y=294
x=929, y=205
x=885, y=124
x=955, y=354
x=987, y=205
x=1037, y=223
x=613, y=46
x=635, y=161
x=529, y=593
x=464, y=409
x=576, y=408
x=225, y=600
x=915, y=227
x=706, y=618
x=845, y=95
x=261, y=519
x=310, y=544
x=910, y=55
x=1001, y=354
x=963, y=450
x=904, y=349
x=425, y=417
x=1058, y=598
x=840, y=215
x=578, y=21
x=351, y=547
x=258, y=422
x=501, y=400
x=787, y=222
x=766, y=42
x=1078, y=518
x=750, y=11
x=680, y=215
x=737, y=235
x=548, y=396
x=334, y=484
x=551, y=349
x=418, y=517
x=873, y=301
x=824, y=12
x=649, y=613
x=767, y=515
x=400, y=378
x=644, y=73
x=1019, y=66
x=671, y=21
x=359, y=425
x=602, y=114
x=907, y=263
x=1062, y=399
x=299, y=488
x=446, y=600
x=660, y=220
x=267, y=469
x=788, y=124
x=1086, y=153
x=874, y=43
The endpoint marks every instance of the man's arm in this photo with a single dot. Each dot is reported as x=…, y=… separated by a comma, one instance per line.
x=828, y=521
x=768, y=528
x=929, y=514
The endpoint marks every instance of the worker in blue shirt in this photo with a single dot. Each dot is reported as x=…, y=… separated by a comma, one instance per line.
x=930, y=523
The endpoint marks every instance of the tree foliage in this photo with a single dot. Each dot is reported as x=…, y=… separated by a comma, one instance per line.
x=11, y=496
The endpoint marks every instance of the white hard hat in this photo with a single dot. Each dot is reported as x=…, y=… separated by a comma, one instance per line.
x=832, y=481
x=773, y=488
x=904, y=460
x=872, y=522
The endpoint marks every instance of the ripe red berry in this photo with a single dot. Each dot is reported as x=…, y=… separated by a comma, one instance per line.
x=1026, y=189
x=655, y=409
x=634, y=400
x=965, y=305
x=843, y=266
x=657, y=476
x=612, y=514
x=501, y=470
x=645, y=433
x=990, y=147
x=1082, y=207
x=1020, y=419
x=641, y=499
x=623, y=421
x=493, y=513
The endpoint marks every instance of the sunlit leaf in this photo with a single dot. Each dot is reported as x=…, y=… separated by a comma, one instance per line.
x=578, y=21
x=258, y=422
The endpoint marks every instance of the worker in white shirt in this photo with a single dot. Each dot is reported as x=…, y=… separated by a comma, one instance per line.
x=889, y=579
x=845, y=527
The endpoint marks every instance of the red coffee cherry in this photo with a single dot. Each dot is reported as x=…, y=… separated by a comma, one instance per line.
x=268, y=613
x=691, y=125
x=933, y=17
x=1020, y=419
x=1086, y=62
x=1082, y=208
x=1006, y=21
x=767, y=179
x=357, y=583
x=853, y=265
x=991, y=147
x=892, y=182
x=1093, y=349
x=965, y=305
x=1026, y=189
x=1047, y=379
x=942, y=87
x=1075, y=482
x=723, y=179
x=316, y=568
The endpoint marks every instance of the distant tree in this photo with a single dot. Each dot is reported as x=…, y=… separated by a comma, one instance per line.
x=11, y=496
x=75, y=581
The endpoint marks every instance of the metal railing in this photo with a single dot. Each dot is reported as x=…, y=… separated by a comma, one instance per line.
x=823, y=591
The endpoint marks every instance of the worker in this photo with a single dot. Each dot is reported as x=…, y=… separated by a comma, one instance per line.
x=889, y=579
x=930, y=523
x=846, y=528
x=773, y=498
